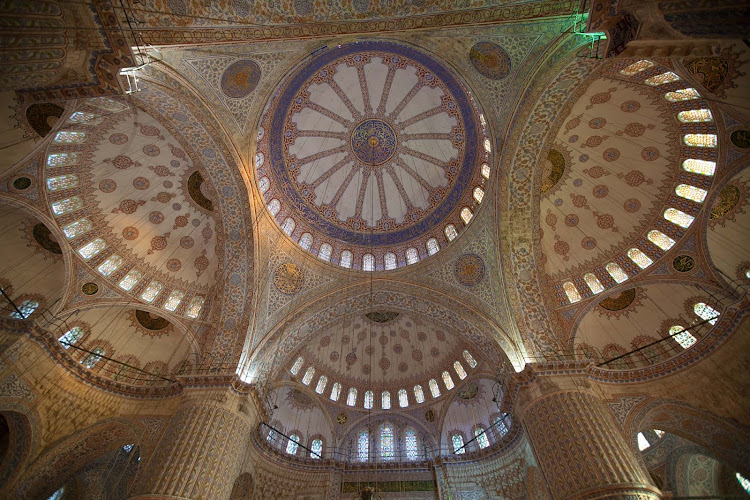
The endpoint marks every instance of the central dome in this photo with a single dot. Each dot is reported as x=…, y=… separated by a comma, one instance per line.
x=369, y=153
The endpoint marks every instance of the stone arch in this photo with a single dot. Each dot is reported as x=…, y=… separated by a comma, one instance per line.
x=243, y=487
x=22, y=428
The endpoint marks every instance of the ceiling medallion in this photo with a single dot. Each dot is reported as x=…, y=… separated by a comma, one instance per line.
x=373, y=142
x=469, y=269
x=341, y=418
x=288, y=278
x=89, y=288
x=381, y=316
x=429, y=415
x=683, y=263
x=618, y=302
x=22, y=183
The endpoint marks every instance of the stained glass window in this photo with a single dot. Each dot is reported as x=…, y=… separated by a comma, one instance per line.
x=288, y=225
x=62, y=182
x=346, y=259
x=659, y=432
x=264, y=184
x=500, y=426
x=412, y=256
x=695, y=116
x=130, y=280
x=706, y=312
x=466, y=215
x=667, y=77
x=447, y=380
x=335, y=391
x=292, y=444
x=92, y=359
x=641, y=259
x=316, y=449
x=700, y=140
x=152, y=290
x=660, y=239
x=478, y=194
x=642, y=442
x=701, y=167
x=481, y=436
x=682, y=95
x=67, y=205
x=71, y=337
x=274, y=206
x=678, y=217
x=368, y=400
x=77, y=228
x=351, y=399
x=58, y=494
x=403, y=398
x=297, y=366
x=67, y=137
x=684, y=338
x=482, y=120
x=744, y=482
x=469, y=359
x=195, y=307
x=593, y=283
x=432, y=246
x=418, y=394
x=309, y=374
x=390, y=261
x=363, y=446
x=385, y=400
x=325, y=252
x=459, y=370
x=26, y=309
x=637, y=67
x=458, y=444
x=485, y=171
x=173, y=301
x=691, y=193
x=450, y=232
x=322, y=381
x=616, y=272
x=487, y=146
x=126, y=448
x=411, y=444
x=572, y=292
x=305, y=241
x=368, y=262
x=434, y=389
x=92, y=248
x=271, y=436
x=62, y=159
x=387, y=451
x=81, y=117
x=110, y=265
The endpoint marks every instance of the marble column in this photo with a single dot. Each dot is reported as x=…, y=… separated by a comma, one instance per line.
x=576, y=441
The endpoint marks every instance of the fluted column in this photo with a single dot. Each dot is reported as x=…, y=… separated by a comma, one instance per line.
x=577, y=443
x=201, y=451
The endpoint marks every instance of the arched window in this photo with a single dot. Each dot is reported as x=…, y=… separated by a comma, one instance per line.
x=469, y=359
x=691, y=193
x=450, y=232
x=110, y=265
x=447, y=380
x=81, y=117
x=434, y=389
x=403, y=399
x=412, y=256
x=368, y=400
x=682, y=336
x=61, y=182
x=701, y=167
x=593, y=283
x=500, y=426
x=325, y=252
x=662, y=79
x=481, y=436
x=744, y=482
x=305, y=241
x=368, y=262
x=363, y=446
x=92, y=248
x=682, y=95
x=26, y=309
x=316, y=449
x=351, y=399
x=658, y=432
x=410, y=438
x=387, y=451
x=466, y=215
x=572, y=292
x=485, y=171
x=274, y=206
x=642, y=442
x=678, y=217
x=458, y=444
x=68, y=137
x=322, y=381
x=152, y=291
x=346, y=259
x=335, y=391
x=67, y=205
x=418, y=393
x=271, y=437
x=195, y=306
x=706, y=312
x=695, y=116
x=292, y=444
x=390, y=261
x=660, y=239
x=641, y=259
x=309, y=374
x=297, y=366
x=93, y=358
x=173, y=301
x=459, y=370
x=288, y=225
x=432, y=246
x=616, y=272
x=637, y=67
x=71, y=337
x=264, y=184
x=478, y=194
x=77, y=228
x=130, y=279
x=62, y=159
x=385, y=400
x=259, y=158
x=700, y=140
x=487, y=146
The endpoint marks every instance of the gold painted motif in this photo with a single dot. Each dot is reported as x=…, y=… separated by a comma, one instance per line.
x=683, y=263
x=429, y=415
x=90, y=288
x=341, y=418
x=288, y=278
x=554, y=168
x=740, y=138
x=618, y=302
x=728, y=199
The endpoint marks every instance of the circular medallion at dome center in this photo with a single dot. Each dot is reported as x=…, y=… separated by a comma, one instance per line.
x=373, y=142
